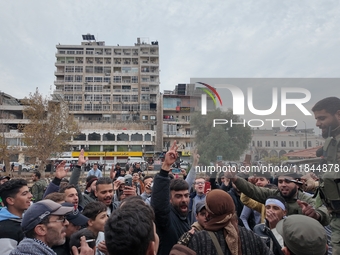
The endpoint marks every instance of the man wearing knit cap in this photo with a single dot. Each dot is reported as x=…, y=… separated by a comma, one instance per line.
x=222, y=232
x=288, y=188
x=302, y=235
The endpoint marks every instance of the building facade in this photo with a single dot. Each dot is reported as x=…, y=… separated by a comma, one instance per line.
x=11, y=118
x=178, y=106
x=276, y=142
x=111, y=88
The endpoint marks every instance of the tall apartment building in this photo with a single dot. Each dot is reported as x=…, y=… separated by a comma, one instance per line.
x=111, y=88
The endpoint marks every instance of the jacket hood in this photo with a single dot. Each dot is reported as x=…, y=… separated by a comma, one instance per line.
x=6, y=215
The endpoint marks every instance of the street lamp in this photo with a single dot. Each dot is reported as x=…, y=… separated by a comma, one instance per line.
x=305, y=135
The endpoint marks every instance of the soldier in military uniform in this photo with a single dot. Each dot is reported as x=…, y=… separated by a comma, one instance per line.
x=327, y=115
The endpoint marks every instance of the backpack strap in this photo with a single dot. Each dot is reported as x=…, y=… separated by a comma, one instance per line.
x=273, y=238
x=216, y=243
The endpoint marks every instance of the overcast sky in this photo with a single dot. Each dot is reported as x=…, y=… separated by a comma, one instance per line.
x=196, y=38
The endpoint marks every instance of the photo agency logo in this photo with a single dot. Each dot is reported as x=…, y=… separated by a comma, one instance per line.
x=289, y=96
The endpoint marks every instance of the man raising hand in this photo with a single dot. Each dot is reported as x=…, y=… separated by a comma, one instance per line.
x=170, y=215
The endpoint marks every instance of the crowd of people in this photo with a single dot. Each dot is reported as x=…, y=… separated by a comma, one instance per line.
x=130, y=213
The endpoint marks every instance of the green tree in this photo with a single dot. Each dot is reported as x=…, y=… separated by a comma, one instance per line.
x=49, y=130
x=275, y=160
x=228, y=141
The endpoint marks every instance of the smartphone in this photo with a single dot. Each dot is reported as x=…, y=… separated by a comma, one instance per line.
x=176, y=171
x=128, y=182
x=206, y=187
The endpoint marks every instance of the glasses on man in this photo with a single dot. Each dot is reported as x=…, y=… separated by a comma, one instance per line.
x=199, y=183
x=62, y=220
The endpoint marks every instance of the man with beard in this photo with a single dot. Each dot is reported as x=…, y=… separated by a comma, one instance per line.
x=170, y=215
x=44, y=225
x=297, y=201
x=327, y=115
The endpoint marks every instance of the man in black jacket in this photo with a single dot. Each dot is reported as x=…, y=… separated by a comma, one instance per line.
x=170, y=215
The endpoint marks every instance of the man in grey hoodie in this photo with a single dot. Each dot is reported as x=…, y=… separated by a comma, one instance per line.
x=17, y=198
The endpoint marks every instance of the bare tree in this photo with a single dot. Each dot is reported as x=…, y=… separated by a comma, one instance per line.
x=49, y=130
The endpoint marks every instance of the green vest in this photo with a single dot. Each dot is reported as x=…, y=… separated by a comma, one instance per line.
x=329, y=188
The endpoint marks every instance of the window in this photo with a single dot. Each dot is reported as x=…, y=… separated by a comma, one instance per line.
x=69, y=69
x=78, y=69
x=125, y=98
x=145, y=89
x=117, y=79
x=134, y=79
x=147, y=137
x=68, y=87
x=134, y=98
x=97, y=88
x=77, y=107
x=253, y=143
x=297, y=144
x=89, y=69
x=98, y=79
x=126, y=107
x=267, y=143
x=116, y=98
x=77, y=97
x=126, y=69
x=152, y=117
x=88, y=107
x=97, y=98
x=259, y=143
x=98, y=69
x=145, y=117
x=78, y=88
x=106, y=98
x=78, y=78
x=88, y=88
x=309, y=143
x=107, y=79
x=106, y=107
x=88, y=79
x=97, y=107
x=68, y=78
x=107, y=70
x=145, y=107
x=283, y=143
x=116, y=107
x=69, y=97
x=88, y=97
x=145, y=97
